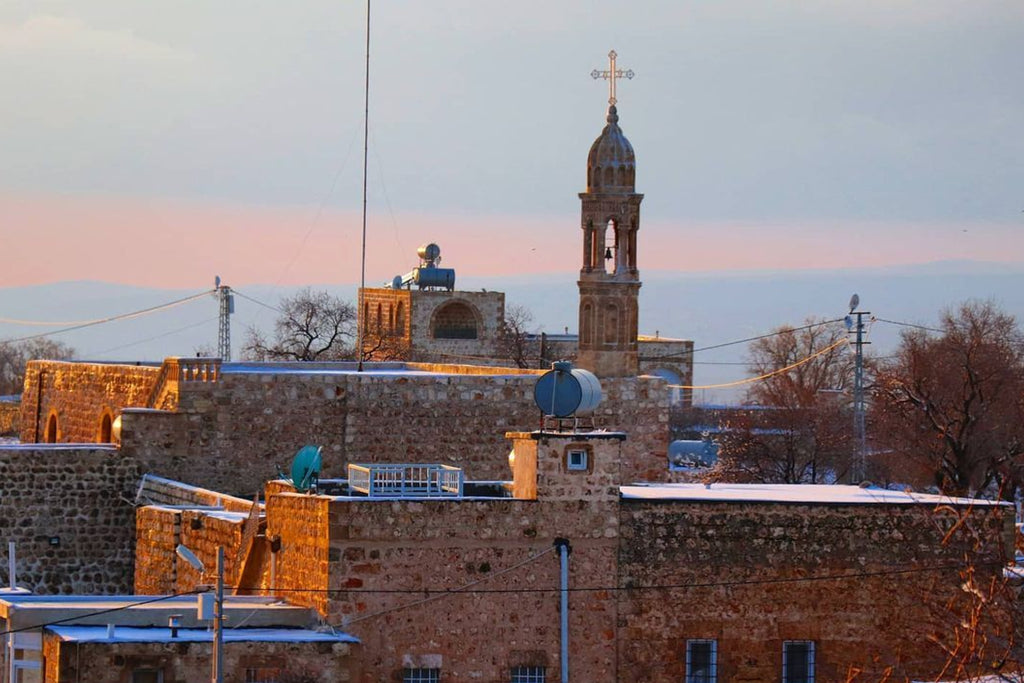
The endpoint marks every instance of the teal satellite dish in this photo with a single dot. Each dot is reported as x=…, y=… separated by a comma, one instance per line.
x=306, y=468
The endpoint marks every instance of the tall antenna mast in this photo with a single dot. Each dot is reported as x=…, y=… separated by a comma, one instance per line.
x=226, y=302
x=366, y=149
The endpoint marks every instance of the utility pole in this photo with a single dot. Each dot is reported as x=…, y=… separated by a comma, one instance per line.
x=227, y=306
x=860, y=447
x=564, y=549
x=218, y=622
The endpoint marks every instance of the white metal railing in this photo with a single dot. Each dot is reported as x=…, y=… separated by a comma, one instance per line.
x=389, y=480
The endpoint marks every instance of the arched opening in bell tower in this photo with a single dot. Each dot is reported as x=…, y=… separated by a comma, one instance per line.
x=611, y=248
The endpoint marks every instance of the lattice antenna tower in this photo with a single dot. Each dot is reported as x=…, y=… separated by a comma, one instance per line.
x=226, y=302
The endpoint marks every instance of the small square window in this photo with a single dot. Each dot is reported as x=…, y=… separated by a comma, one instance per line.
x=798, y=661
x=421, y=675
x=701, y=661
x=528, y=674
x=577, y=459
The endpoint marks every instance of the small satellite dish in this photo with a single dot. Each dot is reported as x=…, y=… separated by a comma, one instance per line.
x=854, y=302
x=306, y=468
x=564, y=391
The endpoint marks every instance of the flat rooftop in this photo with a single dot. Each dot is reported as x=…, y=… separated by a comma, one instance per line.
x=132, y=634
x=791, y=493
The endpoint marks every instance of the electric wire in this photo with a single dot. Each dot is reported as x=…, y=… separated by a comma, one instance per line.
x=156, y=336
x=776, y=333
x=115, y=318
x=98, y=613
x=468, y=590
x=258, y=302
x=454, y=591
x=766, y=375
x=906, y=324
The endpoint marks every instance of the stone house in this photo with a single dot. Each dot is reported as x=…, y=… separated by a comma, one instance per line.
x=664, y=580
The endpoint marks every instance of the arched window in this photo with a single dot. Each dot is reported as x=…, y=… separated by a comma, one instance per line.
x=454, y=320
x=399, y=321
x=611, y=324
x=51, y=429
x=380, y=318
x=609, y=177
x=586, y=323
x=366, y=317
x=105, y=435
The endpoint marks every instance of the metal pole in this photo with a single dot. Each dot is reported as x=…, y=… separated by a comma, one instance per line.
x=859, y=406
x=12, y=566
x=218, y=623
x=224, y=323
x=564, y=549
x=366, y=148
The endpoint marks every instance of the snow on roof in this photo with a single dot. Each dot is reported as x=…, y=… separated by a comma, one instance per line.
x=790, y=493
x=134, y=634
x=338, y=369
x=60, y=446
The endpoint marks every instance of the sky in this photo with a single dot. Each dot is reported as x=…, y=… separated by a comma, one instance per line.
x=161, y=143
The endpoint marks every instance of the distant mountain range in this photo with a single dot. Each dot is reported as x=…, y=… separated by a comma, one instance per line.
x=710, y=308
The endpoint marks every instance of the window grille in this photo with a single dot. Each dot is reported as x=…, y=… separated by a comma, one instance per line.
x=421, y=675
x=528, y=674
x=701, y=661
x=262, y=675
x=798, y=661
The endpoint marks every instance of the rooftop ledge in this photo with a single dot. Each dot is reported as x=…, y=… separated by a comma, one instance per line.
x=793, y=494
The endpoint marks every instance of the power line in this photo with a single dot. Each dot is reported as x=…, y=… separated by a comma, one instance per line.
x=154, y=337
x=767, y=374
x=258, y=302
x=776, y=333
x=896, y=571
x=115, y=318
x=905, y=324
x=97, y=613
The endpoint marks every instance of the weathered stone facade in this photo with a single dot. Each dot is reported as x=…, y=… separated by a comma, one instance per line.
x=10, y=415
x=432, y=325
x=229, y=429
x=187, y=661
x=69, y=401
x=69, y=511
x=471, y=586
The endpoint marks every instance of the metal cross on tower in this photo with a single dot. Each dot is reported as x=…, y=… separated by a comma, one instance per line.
x=611, y=74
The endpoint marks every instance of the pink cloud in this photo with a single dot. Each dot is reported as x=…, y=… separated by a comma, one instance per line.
x=161, y=243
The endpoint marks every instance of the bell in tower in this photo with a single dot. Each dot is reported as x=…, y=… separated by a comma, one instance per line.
x=609, y=280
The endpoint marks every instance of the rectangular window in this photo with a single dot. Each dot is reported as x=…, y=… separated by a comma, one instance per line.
x=147, y=676
x=701, y=661
x=798, y=661
x=528, y=674
x=262, y=675
x=421, y=675
x=577, y=460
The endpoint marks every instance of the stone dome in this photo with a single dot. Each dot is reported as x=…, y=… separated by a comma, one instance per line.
x=611, y=164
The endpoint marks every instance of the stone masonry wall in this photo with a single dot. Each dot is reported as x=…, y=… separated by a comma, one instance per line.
x=10, y=416
x=188, y=662
x=79, y=394
x=232, y=435
x=734, y=573
x=69, y=511
x=388, y=564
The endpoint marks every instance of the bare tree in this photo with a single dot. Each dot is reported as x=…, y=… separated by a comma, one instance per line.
x=14, y=357
x=796, y=429
x=513, y=341
x=951, y=403
x=313, y=325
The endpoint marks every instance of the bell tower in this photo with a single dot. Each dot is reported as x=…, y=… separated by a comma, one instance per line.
x=609, y=280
